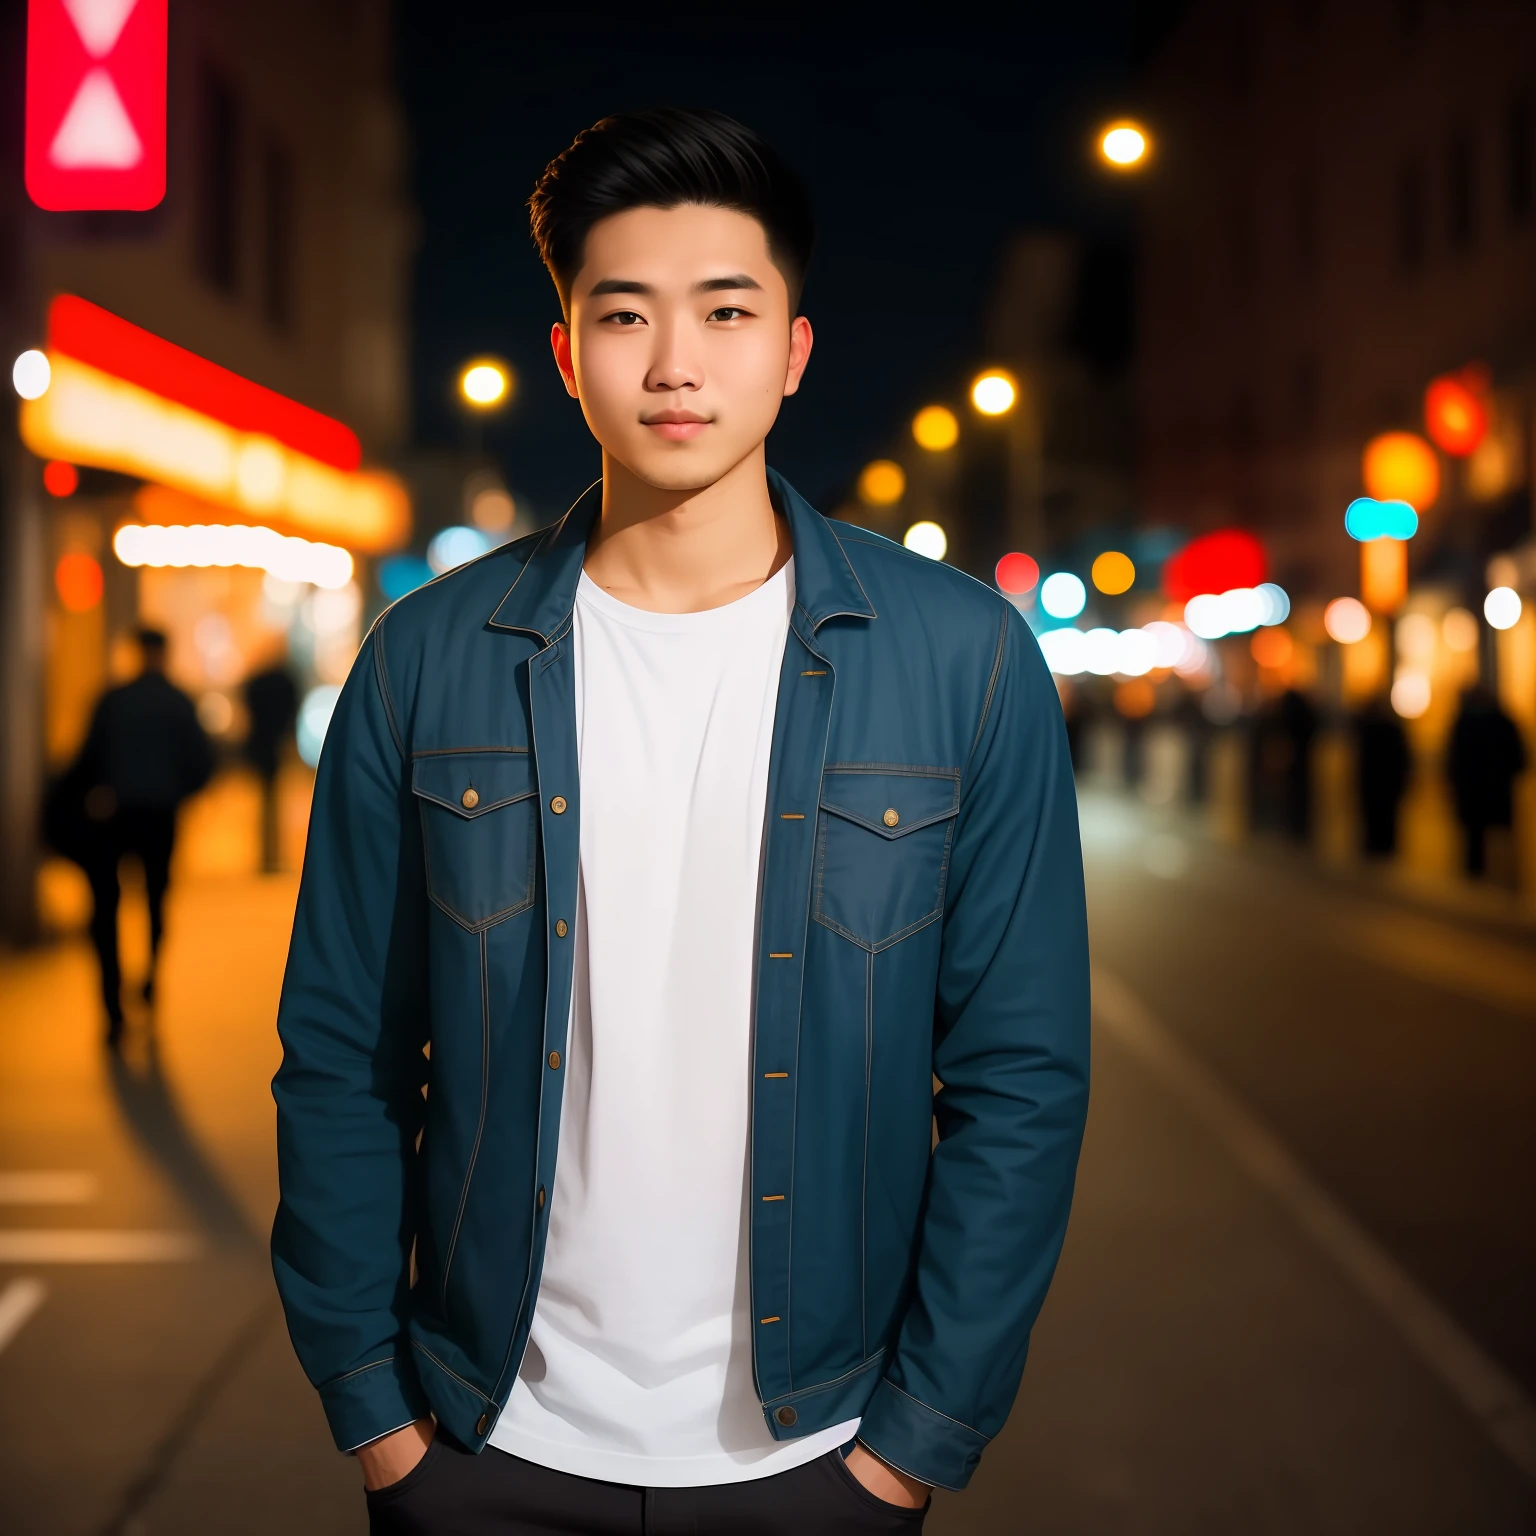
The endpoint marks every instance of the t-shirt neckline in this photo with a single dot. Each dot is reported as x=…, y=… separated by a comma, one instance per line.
x=773, y=595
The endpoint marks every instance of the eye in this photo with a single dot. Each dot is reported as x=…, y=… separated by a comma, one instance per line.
x=624, y=317
x=727, y=312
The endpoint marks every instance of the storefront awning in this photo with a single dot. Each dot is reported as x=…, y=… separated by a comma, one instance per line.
x=122, y=398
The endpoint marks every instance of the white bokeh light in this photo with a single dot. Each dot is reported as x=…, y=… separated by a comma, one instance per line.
x=1502, y=608
x=31, y=374
x=928, y=539
x=1063, y=595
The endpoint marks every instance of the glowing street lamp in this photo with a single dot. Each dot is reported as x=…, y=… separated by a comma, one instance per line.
x=882, y=483
x=994, y=393
x=926, y=538
x=485, y=383
x=935, y=428
x=1124, y=145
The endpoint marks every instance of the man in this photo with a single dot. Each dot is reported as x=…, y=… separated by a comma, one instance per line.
x=144, y=754
x=680, y=847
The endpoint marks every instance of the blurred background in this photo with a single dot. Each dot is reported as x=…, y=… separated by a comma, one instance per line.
x=1204, y=331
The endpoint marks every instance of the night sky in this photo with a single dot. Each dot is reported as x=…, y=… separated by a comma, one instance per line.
x=923, y=146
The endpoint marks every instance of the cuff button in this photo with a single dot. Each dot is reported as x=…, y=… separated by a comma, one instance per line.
x=786, y=1416
x=483, y=1424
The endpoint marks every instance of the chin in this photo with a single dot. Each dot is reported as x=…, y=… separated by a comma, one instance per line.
x=680, y=472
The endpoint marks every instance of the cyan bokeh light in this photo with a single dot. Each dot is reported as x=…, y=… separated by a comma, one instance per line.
x=1366, y=518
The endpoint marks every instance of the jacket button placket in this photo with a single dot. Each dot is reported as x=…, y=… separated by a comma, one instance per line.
x=805, y=698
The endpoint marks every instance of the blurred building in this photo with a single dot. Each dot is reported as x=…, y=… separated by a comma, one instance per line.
x=1342, y=206
x=281, y=254
x=1340, y=209
x=1059, y=319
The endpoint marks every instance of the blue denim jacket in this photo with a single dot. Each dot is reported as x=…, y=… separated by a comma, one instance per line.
x=922, y=918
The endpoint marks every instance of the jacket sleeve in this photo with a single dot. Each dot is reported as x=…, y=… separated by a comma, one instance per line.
x=349, y=1106
x=1011, y=1054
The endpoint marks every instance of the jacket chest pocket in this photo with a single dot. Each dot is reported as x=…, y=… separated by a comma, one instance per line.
x=882, y=850
x=479, y=827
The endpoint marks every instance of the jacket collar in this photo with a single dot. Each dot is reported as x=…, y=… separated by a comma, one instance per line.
x=540, y=600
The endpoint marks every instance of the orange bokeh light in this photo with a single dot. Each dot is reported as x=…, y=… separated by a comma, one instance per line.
x=1401, y=466
x=1271, y=647
x=78, y=580
x=1454, y=413
x=60, y=479
x=1383, y=574
x=1135, y=698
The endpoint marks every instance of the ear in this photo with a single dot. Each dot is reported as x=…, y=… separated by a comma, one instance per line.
x=800, y=340
x=560, y=345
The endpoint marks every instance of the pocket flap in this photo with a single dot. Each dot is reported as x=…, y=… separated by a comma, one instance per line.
x=891, y=801
x=470, y=783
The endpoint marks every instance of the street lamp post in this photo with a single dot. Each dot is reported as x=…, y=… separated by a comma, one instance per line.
x=486, y=385
x=1009, y=401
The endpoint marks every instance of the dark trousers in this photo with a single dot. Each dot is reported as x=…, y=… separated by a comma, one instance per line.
x=271, y=825
x=149, y=834
x=453, y=1493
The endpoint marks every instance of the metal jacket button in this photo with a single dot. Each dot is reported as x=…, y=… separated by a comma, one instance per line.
x=554, y=1061
x=483, y=1424
x=561, y=929
x=786, y=1416
x=557, y=805
x=469, y=799
x=891, y=818
x=539, y=1199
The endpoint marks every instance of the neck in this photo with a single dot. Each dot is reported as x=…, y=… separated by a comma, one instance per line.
x=682, y=551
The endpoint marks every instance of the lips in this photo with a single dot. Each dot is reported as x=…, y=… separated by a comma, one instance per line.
x=676, y=426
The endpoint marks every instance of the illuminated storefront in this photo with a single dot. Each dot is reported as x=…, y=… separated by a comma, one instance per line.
x=240, y=531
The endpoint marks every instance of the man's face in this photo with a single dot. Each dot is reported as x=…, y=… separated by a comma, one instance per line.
x=680, y=344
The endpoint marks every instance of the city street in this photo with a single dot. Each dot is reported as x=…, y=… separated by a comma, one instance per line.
x=1292, y=1296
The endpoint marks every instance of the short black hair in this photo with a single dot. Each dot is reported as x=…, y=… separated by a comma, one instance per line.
x=152, y=639
x=664, y=157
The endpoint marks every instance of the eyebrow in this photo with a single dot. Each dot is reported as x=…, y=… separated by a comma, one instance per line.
x=736, y=280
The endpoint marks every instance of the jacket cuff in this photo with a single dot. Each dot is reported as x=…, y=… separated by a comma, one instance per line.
x=919, y=1440
x=373, y=1400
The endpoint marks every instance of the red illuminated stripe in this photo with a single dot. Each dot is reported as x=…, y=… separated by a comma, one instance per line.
x=96, y=336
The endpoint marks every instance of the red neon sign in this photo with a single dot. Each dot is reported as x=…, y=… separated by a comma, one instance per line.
x=94, y=335
x=96, y=103
x=1215, y=562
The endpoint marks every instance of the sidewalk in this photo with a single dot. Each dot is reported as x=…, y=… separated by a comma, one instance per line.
x=154, y=1388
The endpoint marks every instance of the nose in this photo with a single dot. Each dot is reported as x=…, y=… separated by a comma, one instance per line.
x=675, y=361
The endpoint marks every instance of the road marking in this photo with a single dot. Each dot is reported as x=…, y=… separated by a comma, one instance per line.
x=18, y=1301
x=87, y=1246
x=1485, y=970
x=1506, y=1415
x=31, y=1187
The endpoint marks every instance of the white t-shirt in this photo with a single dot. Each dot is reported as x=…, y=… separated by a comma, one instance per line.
x=639, y=1364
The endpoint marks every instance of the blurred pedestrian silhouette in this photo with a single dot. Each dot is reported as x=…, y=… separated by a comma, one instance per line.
x=1486, y=755
x=1282, y=765
x=272, y=703
x=1381, y=774
x=144, y=754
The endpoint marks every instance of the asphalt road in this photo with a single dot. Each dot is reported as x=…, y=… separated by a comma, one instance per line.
x=1294, y=1295
x=1392, y=1049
